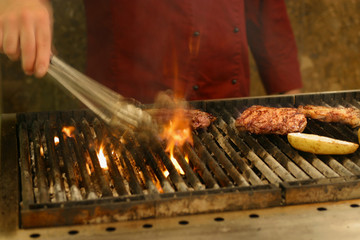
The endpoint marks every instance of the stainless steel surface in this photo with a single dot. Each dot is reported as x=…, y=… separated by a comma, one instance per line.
x=330, y=221
x=107, y=104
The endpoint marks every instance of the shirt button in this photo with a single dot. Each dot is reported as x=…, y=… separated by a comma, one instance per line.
x=236, y=30
x=197, y=33
x=195, y=87
x=234, y=81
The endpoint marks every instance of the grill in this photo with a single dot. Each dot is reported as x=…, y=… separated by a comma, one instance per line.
x=63, y=183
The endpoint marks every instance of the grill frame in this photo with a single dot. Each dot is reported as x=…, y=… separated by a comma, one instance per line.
x=287, y=193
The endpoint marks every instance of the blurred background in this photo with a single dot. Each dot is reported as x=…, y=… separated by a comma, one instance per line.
x=327, y=34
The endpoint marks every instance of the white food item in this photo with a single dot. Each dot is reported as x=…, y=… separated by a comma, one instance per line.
x=321, y=145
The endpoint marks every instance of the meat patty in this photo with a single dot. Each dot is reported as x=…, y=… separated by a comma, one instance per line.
x=197, y=118
x=350, y=116
x=269, y=120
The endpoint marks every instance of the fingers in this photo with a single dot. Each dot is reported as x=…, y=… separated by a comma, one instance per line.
x=27, y=34
x=27, y=44
x=43, y=48
x=11, y=39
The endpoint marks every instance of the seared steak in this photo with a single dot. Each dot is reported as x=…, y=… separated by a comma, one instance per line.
x=350, y=116
x=269, y=120
x=197, y=118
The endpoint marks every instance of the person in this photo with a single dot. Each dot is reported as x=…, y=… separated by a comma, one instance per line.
x=198, y=48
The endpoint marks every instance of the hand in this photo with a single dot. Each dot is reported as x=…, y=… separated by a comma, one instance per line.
x=25, y=31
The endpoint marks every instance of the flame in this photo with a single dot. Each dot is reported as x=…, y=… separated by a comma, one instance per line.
x=166, y=173
x=68, y=131
x=158, y=186
x=88, y=169
x=41, y=151
x=174, y=161
x=102, y=158
x=186, y=158
x=56, y=140
x=177, y=133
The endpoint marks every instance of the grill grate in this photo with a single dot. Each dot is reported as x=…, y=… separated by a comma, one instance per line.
x=63, y=184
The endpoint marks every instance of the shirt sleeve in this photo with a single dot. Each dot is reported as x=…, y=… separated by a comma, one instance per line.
x=272, y=43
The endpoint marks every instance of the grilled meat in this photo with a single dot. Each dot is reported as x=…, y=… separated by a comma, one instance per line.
x=197, y=118
x=269, y=120
x=350, y=116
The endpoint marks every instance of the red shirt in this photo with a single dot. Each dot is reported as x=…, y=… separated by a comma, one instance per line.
x=198, y=48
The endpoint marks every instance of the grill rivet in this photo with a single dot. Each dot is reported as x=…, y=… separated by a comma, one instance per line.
x=197, y=33
x=219, y=219
x=73, y=232
x=183, y=222
x=234, y=81
x=35, y=235
x=110, y=229
x=195, y=87
x=321, y=209
x=236, y=30
x=147, y=225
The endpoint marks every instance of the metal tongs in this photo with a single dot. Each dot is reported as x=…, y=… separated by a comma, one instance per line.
x=110, y=106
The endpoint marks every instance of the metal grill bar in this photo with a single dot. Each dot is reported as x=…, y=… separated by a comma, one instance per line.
x=223, y=160
x=213, y=165
x=99, y=173
x=281, y=157
x=78, y=148
x=140, y=161
x=53, y=159
x=226, y=168
x=68, y=159
x=165, y=184
x=239, y=162
x=40, y=169
x=135, y=187
x=174, y=176
x=114, y=173
x=250, y=154
x=320, y=165
x=117, y=165
x=297, y=158
x=331, y=161
x=200, y=167
x=190, y=175
x=26, y=179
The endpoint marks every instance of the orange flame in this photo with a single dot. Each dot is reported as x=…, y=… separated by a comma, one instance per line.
x=102, y=158
x=177, y=133
x=173, y=159
x=68, y=131
x=56, y=140
x=186, y=158
x=41, y=151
